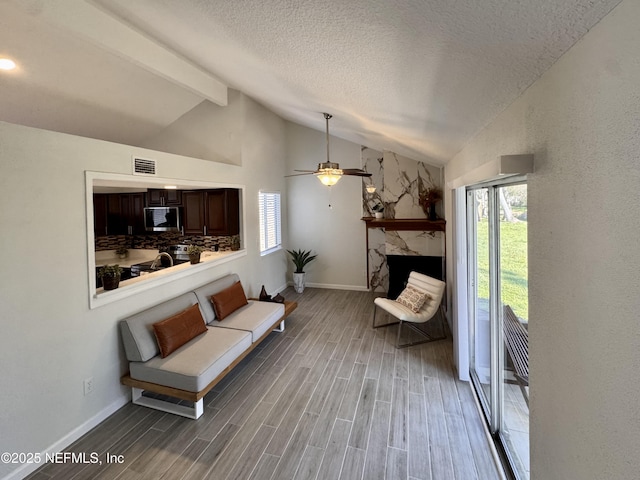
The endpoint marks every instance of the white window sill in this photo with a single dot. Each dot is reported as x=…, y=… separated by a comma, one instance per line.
x=271, y=250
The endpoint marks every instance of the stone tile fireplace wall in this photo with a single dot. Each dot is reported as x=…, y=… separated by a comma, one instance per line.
x=399, y=182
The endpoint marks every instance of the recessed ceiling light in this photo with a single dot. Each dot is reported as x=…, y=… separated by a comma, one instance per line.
x=7, y=64
x=171, y=187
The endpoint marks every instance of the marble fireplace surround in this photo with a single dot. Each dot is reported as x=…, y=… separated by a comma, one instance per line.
x=405, y=229
x=421, y=239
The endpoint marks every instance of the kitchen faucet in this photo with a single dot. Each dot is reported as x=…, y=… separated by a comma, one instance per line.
x=160, y=255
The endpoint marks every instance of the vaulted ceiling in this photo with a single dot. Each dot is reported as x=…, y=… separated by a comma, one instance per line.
x=418, y=77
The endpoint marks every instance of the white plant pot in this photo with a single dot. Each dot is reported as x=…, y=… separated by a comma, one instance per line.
x=379, y=214
x=298, y=282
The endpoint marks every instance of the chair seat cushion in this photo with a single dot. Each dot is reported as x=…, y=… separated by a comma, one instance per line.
x=402, y=312
x=197, y=363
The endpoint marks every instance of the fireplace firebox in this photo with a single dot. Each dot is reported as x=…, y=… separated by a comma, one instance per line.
x=401, y=265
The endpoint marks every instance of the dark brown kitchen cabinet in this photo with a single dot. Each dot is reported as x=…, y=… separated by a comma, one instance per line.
x=100, y=214
x=211, y=212
x=193, y=212
x=160, y=197
x=132, y=211
x=118, y=213
x=222, y=213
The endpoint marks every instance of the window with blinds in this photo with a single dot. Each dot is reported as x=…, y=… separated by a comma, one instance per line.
x=270, y=236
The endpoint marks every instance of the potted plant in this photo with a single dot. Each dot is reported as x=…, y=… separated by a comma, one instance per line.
x=194, y=252
x=300, y=259
x=428, y=199
x=110, y=275
x=122, y=252
x=378, y=210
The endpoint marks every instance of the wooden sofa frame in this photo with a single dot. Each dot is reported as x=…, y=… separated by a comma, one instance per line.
x=196, y=398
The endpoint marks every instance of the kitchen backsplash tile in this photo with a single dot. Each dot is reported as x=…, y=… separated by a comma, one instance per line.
x=163, y=240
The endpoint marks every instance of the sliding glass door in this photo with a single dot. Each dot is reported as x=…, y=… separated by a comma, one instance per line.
x=477, y=215
x=497, y=259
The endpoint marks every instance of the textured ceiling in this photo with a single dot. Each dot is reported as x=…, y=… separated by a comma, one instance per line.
x=418, y=77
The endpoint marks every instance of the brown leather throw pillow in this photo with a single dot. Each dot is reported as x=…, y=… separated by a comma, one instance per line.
x=175, y=331
x=228, y=300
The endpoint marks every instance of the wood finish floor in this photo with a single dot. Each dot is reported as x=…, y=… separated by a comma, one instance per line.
x=330, y=398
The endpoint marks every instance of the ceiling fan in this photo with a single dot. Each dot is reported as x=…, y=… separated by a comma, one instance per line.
x=328, y=172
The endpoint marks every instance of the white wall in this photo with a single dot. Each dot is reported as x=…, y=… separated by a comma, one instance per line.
x=207, y=131
x=580, y=120
x=337, y=234
x=50, y=339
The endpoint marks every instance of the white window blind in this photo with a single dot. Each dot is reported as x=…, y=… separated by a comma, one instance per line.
x=270, y=236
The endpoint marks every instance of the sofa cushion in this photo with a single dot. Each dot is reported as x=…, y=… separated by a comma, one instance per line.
x=175, y=331
x=136, y=330
x=204, y=294
x=255, y=317
x=228, y=300
x=197, y=363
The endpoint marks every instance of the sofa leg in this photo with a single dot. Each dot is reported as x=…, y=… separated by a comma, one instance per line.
x=198, y=408
x=136, y=393
x=194, y=412
x=280, y=329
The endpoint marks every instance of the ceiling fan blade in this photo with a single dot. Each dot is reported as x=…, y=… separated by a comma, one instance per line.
x=300, y=174
x=355, y=171
x=308, y=171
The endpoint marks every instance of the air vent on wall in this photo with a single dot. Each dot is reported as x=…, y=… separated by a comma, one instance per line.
x=142, y=166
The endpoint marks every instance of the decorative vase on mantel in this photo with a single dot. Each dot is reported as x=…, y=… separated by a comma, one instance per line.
x=432, y=215
x=430, y=211
x=428, y=200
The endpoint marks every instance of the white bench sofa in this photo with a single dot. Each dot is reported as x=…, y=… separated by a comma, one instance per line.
x=192, y=370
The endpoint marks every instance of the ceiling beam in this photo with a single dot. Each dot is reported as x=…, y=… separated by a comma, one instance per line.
x=108, y=32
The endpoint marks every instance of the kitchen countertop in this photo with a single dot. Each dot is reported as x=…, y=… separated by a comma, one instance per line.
x=137, y=255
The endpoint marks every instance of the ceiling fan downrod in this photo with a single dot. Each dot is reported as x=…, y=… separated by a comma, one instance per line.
x=327, y=116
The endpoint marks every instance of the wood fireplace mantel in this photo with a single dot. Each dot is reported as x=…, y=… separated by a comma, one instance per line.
x=406, y=224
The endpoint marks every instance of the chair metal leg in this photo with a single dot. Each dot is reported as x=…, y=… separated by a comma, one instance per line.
x=375, y=308
x=398, y=337
x=428, y=338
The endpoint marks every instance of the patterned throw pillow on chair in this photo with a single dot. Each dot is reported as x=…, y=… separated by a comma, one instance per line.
x=412, y=298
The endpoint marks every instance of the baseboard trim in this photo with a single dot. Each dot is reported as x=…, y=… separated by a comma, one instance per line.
x=281, y=288
x=331, y=286
x=68, y=439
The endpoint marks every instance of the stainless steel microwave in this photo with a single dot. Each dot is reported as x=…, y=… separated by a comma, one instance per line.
x=162, y=219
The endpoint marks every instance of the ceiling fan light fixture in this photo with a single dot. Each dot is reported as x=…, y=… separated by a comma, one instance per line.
x=329, y=177
x=7, y=64
x=328, y=173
